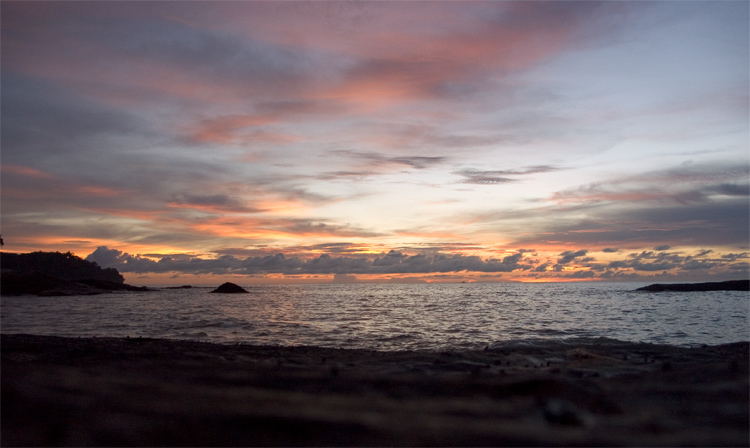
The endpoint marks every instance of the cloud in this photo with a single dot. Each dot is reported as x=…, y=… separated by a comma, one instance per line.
x=348, y=265
x=580, y=275
x=229, y=129
x=451, y=62
x=253, y=127
x=720, y=222
x=648, y=261
x=344, y=278
x=39, y=113
x=474, y=176
x=684, y=185
x=347, y=175
x=377, y=159
x=570, y=255
x=216, y=202
x=392, y=262
x=307, y=227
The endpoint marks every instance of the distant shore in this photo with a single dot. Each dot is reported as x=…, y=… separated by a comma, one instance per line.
x=133, y=391
x=730, y=285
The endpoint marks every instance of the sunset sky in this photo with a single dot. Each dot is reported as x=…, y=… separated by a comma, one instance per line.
x=192, y=142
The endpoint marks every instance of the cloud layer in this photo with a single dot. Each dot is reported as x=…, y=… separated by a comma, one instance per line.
x=394, y=137
x=633, y=266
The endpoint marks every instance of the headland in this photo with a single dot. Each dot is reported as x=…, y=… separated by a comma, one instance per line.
x=57, y=274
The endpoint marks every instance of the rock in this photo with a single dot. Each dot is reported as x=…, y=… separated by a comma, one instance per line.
x=16, y=283
x=112, y=286
x=29, y=282
x=57, y=274
x=731, y=285
x=230, y=288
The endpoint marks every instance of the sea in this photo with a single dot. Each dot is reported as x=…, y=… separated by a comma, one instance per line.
x=434, y=316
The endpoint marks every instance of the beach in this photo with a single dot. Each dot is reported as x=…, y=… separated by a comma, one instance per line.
x=156, y=392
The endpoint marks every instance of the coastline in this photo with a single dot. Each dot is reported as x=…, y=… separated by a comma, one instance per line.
x=142, y=391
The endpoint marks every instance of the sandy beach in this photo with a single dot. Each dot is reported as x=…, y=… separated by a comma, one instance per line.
x=151, y=392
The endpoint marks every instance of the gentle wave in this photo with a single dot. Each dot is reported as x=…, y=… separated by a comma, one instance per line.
x=393, y=317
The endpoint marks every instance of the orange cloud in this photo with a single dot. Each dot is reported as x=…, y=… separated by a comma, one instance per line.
x=50, y=186
x=25, y=171
x=93, y=190
x=226, y=129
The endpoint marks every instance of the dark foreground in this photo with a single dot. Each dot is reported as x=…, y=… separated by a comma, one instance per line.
x=106, y=391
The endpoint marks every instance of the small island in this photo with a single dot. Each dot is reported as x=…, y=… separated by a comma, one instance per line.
x=230, y=288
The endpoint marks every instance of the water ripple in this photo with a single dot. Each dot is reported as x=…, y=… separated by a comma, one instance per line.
x=392, y=317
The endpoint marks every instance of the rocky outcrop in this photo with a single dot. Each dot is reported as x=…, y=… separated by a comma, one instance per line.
x=731, y=285
x=57, y=274
x=16, y=283
x=230, y=288
x=39, y=283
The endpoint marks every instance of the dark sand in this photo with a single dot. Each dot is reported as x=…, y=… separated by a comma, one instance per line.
x=107, y=391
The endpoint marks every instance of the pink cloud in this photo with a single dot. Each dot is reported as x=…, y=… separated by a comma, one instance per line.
x=226, y=129
x=399, y=52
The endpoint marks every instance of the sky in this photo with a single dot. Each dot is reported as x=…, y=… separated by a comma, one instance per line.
x=261, y=142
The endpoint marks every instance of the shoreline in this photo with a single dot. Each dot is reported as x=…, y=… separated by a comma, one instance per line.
x=143, y=391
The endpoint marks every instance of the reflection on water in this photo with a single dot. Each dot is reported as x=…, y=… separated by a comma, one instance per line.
x=392, y=317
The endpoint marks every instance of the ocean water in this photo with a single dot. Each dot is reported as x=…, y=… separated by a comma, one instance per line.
x=393, y=316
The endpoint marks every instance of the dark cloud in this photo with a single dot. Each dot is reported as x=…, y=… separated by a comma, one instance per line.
x=421, y=137
x=735, y=257
x=732, y=189
x=146, y=36
x=392, y=262
x=473, y=176
x=219, y=202
x=288, y=108
x=349, y=264
x=305, y=227
x=683, y=185
x=569, y=255
x=416, y=162
x=650, y=261
x=484, y=179
x=347, y=175
x=663, y=247
x=721, y=222
x=46, y=125
x=581, y=275
x=331, y=248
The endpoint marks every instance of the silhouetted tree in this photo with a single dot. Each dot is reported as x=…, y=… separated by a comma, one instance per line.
x=65, y=266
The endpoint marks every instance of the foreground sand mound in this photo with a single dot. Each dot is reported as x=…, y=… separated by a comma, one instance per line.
x=151, y=392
